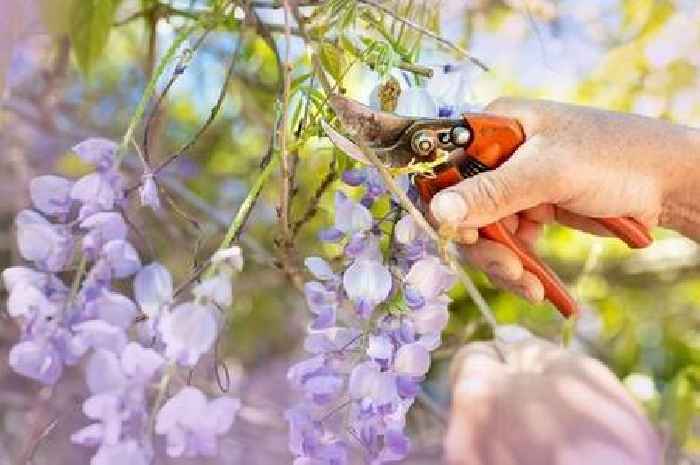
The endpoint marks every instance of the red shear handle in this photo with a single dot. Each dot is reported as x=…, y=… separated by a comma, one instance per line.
x=554, y=290
x=635, y=234
x=495, y=138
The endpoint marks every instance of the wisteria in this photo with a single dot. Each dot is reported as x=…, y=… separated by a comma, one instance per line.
x=131, y=347
x=376, y=317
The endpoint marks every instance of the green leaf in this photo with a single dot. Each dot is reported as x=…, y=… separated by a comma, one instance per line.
x=333, y=60
x=679, y=406
x=91, y=21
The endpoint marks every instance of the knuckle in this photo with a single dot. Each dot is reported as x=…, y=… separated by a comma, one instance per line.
x=490, y=192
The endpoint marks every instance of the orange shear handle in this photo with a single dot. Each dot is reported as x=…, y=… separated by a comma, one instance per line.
x=494, y=139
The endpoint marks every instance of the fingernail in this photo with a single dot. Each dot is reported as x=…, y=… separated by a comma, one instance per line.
x=448, y=207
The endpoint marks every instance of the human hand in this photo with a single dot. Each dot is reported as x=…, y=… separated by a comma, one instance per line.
x=577, y=163
x=534, y=403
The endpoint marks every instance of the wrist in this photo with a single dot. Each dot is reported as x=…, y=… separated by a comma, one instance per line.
x=680, y=209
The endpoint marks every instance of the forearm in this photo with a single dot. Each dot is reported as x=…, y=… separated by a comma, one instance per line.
x=681, y=203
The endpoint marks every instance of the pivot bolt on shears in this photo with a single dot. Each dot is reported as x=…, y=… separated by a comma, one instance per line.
x=474, y=144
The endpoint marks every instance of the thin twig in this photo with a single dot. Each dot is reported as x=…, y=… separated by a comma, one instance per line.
x=212, y=114
x=150, y=89
x=159, y=10
x=312, y=209
x=236, y=225
x=177, y=72
x=427, y=32
x=285, y=169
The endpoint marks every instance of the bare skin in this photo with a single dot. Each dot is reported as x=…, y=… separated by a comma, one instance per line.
x=576, y=163
x=533, y=402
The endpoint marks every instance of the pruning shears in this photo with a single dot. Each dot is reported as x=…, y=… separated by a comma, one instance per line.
x=473, y=144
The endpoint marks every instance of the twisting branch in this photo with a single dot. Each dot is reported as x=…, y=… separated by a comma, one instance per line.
x=426, y=32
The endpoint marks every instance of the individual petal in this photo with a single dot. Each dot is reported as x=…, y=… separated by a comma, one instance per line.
x=140, y=362
x=406, y=230
x=94, y=190
x=49, y=246
x=99, y=334
x=331, y=339
x=232, y=256
x=330, y=235
x=51, y=195
x=91, y=435
x=188, y=425
x=325, y=317
x=116, y=309
x=412, y=360
x=364, y=246
x=182, y=408
x=417, y=102
x=122, y=258
x=105, y=407
x=430, y=277
x=355, y=177
x=431, y=319
x=318, y=297
x=430, y=341
x=98, y=151
x=396, y=446
x=103, y=372
x=102, y=227
x=319, y=268
x=414, y=299
x=217, y=289
x=300, y=372
x=188, y=331
x=323, y=388
x=15, y=275
x=126, y=452
x=367, y=281
x=153, y=288
x=368, y=382
x=148, y=192
x=380, y=347
x=351, y=217
x=37, y=360
x=26, y=300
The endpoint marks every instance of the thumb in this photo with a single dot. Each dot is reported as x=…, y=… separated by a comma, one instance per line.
x=520, y=183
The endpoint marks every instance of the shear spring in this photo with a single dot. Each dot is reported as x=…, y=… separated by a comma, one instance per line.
x=471, y=167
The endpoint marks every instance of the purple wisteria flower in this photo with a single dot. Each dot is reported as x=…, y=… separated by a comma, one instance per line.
x=78, y=227
x=192, y=424
x=367, y=363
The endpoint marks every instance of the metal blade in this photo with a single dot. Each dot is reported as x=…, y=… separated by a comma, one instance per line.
x=378, y=129
x=343, y=143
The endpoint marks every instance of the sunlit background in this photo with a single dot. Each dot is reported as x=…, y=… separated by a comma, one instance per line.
x=642, y=308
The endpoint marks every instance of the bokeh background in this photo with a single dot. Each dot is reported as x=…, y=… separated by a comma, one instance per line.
x=68, y=75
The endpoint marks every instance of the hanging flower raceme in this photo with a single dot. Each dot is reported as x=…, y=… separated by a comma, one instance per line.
x=376, y=319
x=77, y=228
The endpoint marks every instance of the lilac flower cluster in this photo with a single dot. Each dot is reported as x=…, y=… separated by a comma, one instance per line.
x=375, y=320
x=77, y=229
